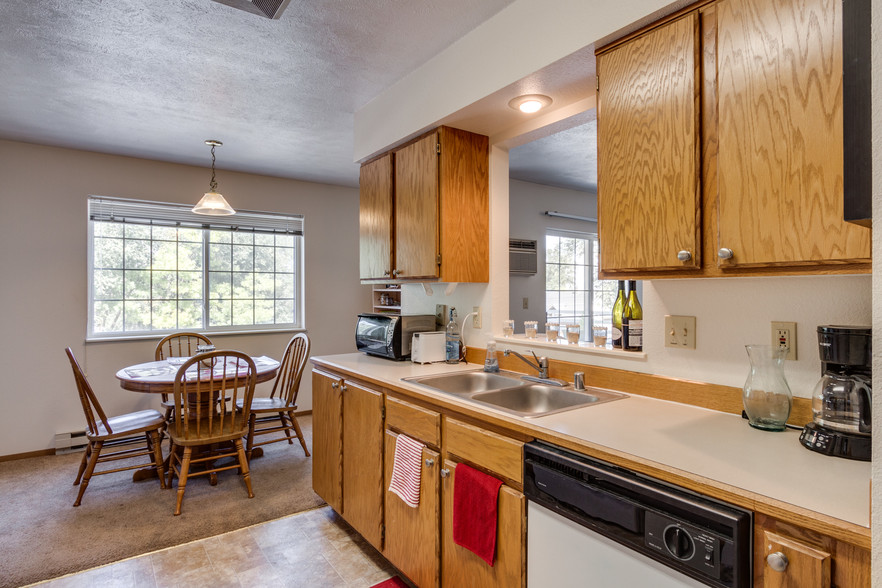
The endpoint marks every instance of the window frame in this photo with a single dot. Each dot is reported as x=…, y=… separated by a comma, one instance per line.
x=208, y=225
x=592, y=252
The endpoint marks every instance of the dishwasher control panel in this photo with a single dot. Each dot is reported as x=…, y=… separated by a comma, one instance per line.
x=697, y=548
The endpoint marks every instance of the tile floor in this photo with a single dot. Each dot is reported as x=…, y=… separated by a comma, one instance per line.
x=312, y=548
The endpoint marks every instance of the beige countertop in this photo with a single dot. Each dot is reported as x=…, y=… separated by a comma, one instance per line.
x=717, y=446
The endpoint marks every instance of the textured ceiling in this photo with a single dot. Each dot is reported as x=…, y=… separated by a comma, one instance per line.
x=566, y=159
x=154, y=79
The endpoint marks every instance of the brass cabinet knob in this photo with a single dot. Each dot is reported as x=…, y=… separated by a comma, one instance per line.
x=684, y=255
x=725, y=253
x=777, y=561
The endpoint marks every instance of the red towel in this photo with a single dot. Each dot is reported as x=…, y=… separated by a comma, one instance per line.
x=475, y=511
x=393, y=582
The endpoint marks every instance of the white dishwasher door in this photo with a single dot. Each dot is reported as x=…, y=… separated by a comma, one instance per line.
x=563, y=554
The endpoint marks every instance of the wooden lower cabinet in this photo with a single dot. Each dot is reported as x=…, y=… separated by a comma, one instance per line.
x=363, y=461
x=792, y=557
x=413, y=543
x=461, y=567
x=327, y=438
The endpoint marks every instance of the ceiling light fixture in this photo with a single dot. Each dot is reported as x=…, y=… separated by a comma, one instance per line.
x=213, y=203
x=530, y=103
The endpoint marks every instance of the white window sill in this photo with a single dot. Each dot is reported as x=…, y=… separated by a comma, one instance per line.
x=561, y=345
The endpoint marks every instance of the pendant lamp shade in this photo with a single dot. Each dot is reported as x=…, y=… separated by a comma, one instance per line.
x=213, y=203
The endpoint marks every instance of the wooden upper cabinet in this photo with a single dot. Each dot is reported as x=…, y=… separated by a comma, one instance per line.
x=425, y=210
x=375, y=218
x=649, y=150
x=416, y=209
x=780, y=158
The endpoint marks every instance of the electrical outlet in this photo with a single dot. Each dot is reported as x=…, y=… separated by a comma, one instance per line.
x=476, y=318
x=784, y=335
x=441, y=315
x=680, y=331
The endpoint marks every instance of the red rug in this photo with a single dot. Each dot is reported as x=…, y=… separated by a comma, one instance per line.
x=393, y=582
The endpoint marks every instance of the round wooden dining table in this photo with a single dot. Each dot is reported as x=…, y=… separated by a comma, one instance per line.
x=158, y=377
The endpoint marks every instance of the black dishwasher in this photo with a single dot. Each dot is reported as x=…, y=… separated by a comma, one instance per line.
x=698, y=536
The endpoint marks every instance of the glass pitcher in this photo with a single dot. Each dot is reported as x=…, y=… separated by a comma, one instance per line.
x=766, y=395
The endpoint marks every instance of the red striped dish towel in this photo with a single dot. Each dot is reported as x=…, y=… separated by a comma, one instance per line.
x=406, y=469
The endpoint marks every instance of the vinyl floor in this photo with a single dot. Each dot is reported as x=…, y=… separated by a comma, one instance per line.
x=312, y=548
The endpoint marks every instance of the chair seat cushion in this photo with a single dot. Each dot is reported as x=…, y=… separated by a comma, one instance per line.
x=267, y=405
x=128, y=424
x=233, y=428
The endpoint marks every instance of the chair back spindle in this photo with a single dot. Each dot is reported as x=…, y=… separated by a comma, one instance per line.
x=287, y=384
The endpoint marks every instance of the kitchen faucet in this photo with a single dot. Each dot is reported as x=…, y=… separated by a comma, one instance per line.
x=541, y=366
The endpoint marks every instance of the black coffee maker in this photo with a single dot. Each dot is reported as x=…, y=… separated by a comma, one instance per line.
x=842, y=400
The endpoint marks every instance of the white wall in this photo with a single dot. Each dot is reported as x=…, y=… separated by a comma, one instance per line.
x=527, y=205
x=43, y=245
x=877, y=287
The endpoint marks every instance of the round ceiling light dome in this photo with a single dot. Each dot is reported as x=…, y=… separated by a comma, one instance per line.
x=530, y=103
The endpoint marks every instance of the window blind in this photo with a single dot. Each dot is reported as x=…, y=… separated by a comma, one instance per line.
x=145, y=212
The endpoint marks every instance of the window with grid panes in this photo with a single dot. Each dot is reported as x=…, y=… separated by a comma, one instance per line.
x=157, y=267
x=573, y=292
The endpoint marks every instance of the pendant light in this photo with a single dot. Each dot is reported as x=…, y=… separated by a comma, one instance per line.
x=213, y=203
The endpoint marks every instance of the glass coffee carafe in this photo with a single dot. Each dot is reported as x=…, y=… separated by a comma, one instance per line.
x=842, y=402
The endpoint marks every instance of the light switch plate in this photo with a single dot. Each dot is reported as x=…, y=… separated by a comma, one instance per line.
x=680, y=331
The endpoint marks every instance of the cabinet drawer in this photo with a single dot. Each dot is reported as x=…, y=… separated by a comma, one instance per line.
x=489, y=450
x=414, y=421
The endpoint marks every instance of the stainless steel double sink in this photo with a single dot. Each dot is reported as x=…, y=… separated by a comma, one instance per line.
x=508, y=392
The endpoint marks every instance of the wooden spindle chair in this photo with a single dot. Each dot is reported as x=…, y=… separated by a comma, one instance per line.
x=130, y=435
x=204, y=430
x=177, y=345
x=276, y=414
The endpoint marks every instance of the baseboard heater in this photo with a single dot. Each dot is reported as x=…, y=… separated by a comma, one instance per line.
x=70, y=442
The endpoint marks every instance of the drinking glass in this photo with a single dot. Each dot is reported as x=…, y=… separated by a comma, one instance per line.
x=574, y=333
x=599, y=335
x=552, y=331
x=530, y=329
x=508, y=328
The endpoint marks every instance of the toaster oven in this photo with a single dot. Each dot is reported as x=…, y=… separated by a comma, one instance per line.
x=390, y=335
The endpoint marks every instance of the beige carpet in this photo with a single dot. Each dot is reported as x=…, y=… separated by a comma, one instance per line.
x=42, y=536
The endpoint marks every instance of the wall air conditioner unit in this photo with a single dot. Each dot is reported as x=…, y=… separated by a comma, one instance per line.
x=521, y=256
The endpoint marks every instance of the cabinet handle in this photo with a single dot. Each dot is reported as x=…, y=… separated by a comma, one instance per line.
x=777, y=561
x=430, y=463
x=396, y=273
x=343, y=388
x=725, y=253
x=445, y=472
x=386, y=273
x=684, y=255
x=334, y=385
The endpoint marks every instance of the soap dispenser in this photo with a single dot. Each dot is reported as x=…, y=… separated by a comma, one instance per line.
x=491, y=363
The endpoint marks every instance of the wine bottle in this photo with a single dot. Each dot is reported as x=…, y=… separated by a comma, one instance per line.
x=633, y=334
x=452, y=339
x=618, y=309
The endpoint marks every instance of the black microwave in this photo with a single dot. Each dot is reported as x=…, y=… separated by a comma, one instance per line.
x=390, y=335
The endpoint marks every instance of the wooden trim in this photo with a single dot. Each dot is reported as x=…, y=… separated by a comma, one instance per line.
x=702, y=394
x=27, y=454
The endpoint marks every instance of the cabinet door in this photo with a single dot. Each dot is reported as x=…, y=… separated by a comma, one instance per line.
x=327, y=439
x=804, y=566
x=649, y=149
x=375, y=218
x=780, y=166
x=413, y=534
x=461, y=567
x=416, y=209
x=363, y=461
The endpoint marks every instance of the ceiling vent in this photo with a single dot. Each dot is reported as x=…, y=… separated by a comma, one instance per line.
x=267, y=8
x=521, y=256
